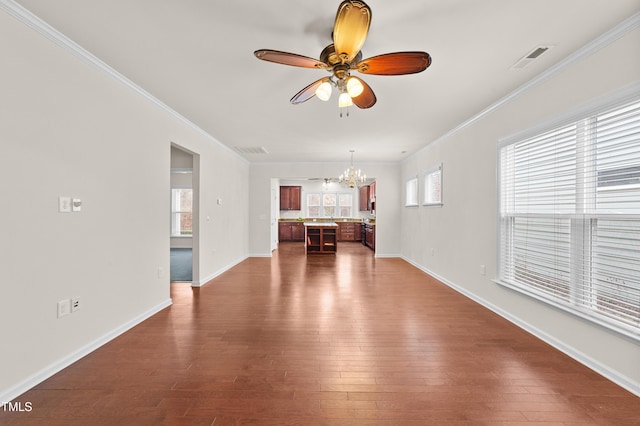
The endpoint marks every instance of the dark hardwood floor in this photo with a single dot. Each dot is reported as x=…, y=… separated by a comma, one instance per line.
x=325, y=340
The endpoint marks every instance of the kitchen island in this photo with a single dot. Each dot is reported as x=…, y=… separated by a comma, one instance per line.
x=321, y=237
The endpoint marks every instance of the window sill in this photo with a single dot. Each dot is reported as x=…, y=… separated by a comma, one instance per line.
x=585, y=314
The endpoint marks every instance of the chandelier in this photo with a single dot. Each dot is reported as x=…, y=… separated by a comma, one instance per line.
x=352, y=177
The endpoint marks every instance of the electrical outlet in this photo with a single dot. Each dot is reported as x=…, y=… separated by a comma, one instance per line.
x=64, y=308
x=76, y=205
x=75, y=304
x=483, y=270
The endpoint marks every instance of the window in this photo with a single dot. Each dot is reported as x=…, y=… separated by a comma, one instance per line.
x=411, y=195
x=345, y=205
x=433, y=186
x=181, y=212
x=329, y=204
x=570, y=217
x=313, y=205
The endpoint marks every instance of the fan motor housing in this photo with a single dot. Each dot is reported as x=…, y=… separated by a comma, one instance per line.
x=329, y=56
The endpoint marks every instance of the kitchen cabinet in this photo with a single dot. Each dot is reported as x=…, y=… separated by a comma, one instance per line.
x=290, y=197
x=297, y=231
x=364, y=198
x=321, y=238
x=290, y=231
x=349, y=231
x=372, y=197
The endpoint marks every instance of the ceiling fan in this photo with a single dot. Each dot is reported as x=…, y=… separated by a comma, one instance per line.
x=343, y=56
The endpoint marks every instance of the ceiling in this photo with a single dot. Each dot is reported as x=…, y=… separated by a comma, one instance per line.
x=196, y=56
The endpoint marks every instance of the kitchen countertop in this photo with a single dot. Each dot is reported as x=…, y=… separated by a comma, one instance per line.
x=321, y=224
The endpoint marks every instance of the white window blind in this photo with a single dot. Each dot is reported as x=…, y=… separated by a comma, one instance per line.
x=570, y=217
x=181, y=212
x=345, y=205
x=329, y=203
x=433, y=186
x=313, y=205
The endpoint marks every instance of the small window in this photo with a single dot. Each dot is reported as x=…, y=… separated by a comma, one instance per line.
x=313, y=205
x=345, y=204
x=181, y=212
x=411, y=196
x=433, y=187
x=329, y=203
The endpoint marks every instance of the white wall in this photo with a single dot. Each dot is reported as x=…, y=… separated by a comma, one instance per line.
x=68, y=129
x=463, y=232
x=387, y=201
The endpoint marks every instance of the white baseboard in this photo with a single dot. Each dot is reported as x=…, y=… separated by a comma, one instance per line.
x=261, y=255
x=621, y=380
x=20, y=388
x=220, y=271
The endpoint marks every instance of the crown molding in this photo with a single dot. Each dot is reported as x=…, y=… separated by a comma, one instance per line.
x=32, y=21
x=587, y=50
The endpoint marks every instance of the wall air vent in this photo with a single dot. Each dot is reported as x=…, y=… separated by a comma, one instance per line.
x=251, y=150
x=530, y=57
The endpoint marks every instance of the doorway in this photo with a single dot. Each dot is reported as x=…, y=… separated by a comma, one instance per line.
x=184, y=215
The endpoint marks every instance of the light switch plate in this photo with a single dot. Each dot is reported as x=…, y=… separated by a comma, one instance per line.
x=64, y=308
x=64, y=204
x=76, y=205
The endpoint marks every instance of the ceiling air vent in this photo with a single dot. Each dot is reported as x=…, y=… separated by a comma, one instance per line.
x=530, y=57
x=251, y=150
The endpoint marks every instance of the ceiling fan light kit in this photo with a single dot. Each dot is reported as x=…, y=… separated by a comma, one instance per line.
x=344, y=55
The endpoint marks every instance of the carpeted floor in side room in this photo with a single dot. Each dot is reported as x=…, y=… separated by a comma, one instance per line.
x=181, y=264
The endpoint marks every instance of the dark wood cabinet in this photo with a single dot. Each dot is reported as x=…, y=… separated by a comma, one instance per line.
x=284, y=231
x=372, y=197
x=290, y=231
x=321, y=239
x=364, y=198
x=290, y=197
x=349, y=231
x=297, y=231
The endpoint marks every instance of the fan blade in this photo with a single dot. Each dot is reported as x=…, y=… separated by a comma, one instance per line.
x=351, y=28
x=367, y=98
x=397, y=63
x=286, y=58
x=308, y=92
